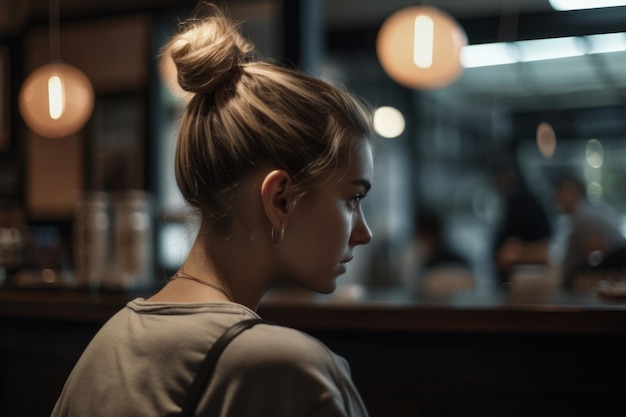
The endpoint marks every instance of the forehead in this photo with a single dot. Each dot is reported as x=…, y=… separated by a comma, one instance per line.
x=361, y=161
x=357, y=165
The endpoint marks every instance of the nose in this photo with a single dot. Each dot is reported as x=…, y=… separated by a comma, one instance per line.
x=361, y=234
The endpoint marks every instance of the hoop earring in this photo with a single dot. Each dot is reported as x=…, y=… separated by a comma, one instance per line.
x=277, y=237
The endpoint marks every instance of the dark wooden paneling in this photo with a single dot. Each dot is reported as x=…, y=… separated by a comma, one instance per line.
x=435, y=374
x=35, y=359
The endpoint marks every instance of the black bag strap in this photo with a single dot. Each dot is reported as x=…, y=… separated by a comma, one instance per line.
x=207, y=366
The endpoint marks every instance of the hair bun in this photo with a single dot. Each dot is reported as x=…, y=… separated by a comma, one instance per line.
x=208, y=53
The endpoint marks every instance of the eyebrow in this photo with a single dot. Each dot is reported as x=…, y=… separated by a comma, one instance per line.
x=364, y=183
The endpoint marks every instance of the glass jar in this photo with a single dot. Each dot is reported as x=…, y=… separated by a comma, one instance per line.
x=133, y=241
x=92, y=240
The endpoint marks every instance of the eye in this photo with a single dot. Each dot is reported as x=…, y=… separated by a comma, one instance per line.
x=354, y=201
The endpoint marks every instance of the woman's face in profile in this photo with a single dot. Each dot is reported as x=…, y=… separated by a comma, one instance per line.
x=329, y=223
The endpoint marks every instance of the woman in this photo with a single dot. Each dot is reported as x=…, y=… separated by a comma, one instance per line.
x=276, y=163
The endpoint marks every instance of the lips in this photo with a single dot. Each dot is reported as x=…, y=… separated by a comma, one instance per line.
x=346, y=260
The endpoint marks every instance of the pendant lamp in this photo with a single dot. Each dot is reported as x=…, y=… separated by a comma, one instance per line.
x=420, y=47
x=57, y=99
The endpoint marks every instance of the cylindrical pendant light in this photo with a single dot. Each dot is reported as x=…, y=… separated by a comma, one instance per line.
x=57, y=99
x=420, y=47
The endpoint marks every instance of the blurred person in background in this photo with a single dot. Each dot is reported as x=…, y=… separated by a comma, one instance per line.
x=432, y=247
x=594, y=241
x=431, y=266
x=522, y=236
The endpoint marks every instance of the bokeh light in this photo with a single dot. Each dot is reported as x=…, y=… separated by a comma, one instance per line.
x=594, y=153
x=594, y=191
x=420, y=47
x=546, y=140
x=388, y=122
x=56, y=100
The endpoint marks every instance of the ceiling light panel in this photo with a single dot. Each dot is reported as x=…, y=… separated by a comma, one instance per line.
x=564, y=5
x=606, y=43
x=488, y=54
x=554, y=48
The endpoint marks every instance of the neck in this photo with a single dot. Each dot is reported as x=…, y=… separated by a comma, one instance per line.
x=181, y=274
x=234, y=265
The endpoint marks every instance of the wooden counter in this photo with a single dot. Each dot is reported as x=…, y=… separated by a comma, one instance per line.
x=395, y=310
x=380, y=310
x=465, y=356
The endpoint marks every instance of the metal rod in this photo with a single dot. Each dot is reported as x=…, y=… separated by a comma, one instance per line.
x=55, y=42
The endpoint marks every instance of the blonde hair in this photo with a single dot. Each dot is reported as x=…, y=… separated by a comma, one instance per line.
x=246, y=113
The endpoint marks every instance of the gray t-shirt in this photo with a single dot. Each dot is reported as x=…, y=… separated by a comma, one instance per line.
x=144, y=359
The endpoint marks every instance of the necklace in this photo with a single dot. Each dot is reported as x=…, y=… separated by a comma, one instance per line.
x=182, y=274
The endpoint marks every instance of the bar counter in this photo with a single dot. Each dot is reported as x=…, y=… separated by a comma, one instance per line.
x=358, y=308
x=468, y=355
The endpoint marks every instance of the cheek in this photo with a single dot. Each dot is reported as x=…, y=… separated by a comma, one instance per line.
x=329, y=232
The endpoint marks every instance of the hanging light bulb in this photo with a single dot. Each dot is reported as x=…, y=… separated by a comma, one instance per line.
x=420, y=47
x=423, y=42
x=56, y=100
x=56, y=97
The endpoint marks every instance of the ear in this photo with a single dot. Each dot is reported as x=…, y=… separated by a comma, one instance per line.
x=275, y=193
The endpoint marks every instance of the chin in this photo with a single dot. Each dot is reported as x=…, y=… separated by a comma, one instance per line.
x=327, y=290
x=325, y=287
x=319, y=282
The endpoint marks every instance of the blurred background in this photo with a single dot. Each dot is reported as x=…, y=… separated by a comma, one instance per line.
x=439, y=158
